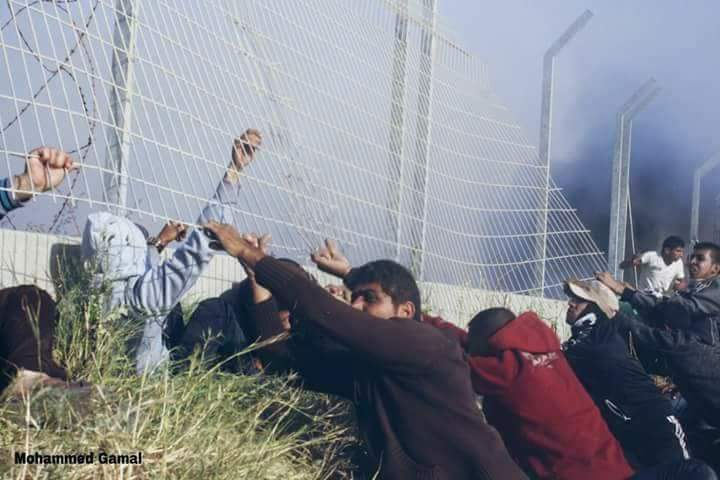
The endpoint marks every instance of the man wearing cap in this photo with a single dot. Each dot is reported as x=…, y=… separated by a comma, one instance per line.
x=639, y=416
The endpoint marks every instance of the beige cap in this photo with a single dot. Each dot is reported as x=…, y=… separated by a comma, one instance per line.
x=596, y=292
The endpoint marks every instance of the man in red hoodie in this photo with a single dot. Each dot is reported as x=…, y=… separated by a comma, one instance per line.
x=539, y=406
x=531, y=395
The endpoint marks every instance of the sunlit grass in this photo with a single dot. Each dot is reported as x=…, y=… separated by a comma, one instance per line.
x=192, y=423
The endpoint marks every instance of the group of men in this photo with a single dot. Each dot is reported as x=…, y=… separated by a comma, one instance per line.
x=584, y=409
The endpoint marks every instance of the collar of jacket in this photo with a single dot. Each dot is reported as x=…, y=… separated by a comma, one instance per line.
x=581, y=328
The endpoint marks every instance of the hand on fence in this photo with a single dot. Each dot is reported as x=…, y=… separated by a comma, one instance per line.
x=330, y=259
x=262, y=242
x=244, y=147
x=226, y=237
x=45, y=169
x=172, y=231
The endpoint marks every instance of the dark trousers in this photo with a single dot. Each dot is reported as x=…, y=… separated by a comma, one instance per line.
x=27, y=325
x=648, y=438
x=214, y=330
x=677, y=470
x=693, y=364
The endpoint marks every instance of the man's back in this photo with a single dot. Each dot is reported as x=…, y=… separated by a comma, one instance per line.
x=430, y=415
x=546, y=417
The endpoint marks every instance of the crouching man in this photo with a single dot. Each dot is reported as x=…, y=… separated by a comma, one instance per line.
x=410, y=384
x=126, y=260
x=549, y=422
x=638, y=414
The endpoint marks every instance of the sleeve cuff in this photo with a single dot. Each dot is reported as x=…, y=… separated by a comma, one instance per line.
x=7, y=197
x=627, y=295
x=347, y=277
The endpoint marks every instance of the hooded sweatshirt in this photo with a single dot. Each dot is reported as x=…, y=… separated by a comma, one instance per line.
x=137, y=280
x=549, y=422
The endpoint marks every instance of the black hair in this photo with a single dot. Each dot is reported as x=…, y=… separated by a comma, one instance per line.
x=672, y=242
x=492, y=315
x=714, y=249
x=483, y=326
x=494, y=318
x=394, y=279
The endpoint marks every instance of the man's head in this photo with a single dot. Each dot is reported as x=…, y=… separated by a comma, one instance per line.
x=673, y=249
x=483, y=326
x=704, y=261
x=584, y=297
x=241, y=295
x=385, y=289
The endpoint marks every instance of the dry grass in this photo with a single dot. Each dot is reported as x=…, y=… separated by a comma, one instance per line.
x=197, y=423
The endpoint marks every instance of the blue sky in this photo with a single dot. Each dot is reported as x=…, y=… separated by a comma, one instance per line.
x=624, y=44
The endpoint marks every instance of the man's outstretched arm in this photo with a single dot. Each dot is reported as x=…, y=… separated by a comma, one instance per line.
x=219, y=208
x=392, y=343
x=160, y=288
x=634, y=261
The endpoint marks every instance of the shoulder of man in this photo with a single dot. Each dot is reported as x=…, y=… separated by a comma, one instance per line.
x=649, y=256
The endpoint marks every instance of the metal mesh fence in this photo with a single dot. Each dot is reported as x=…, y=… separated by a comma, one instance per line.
x=379, y=131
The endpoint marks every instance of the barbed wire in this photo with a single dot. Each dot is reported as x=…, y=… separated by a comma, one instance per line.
x=54, y=73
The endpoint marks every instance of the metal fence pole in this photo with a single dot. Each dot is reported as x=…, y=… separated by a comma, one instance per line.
x=423, y=133
x=546, y=128
x=621, y=174
x=116, y=181
x=397, y=116
x=700, y=172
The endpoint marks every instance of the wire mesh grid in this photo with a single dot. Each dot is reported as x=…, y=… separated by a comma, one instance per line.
x=379, y=131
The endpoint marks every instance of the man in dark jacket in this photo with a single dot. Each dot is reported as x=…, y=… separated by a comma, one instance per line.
x=410, y=383
x=682, y=330
x=27, y=326
x=639, y=416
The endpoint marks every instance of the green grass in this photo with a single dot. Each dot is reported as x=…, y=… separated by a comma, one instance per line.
x=198, y=423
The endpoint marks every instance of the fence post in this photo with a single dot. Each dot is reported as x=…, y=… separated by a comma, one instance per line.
x=621, y=174
x=546, y=128
x=423, y=133
x=397, y=116
x=700, y=172
x=124, y=41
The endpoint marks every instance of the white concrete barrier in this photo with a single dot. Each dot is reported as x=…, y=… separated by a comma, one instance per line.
x=29, y=257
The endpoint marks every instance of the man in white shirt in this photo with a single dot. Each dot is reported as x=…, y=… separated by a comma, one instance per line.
x=661, y=273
